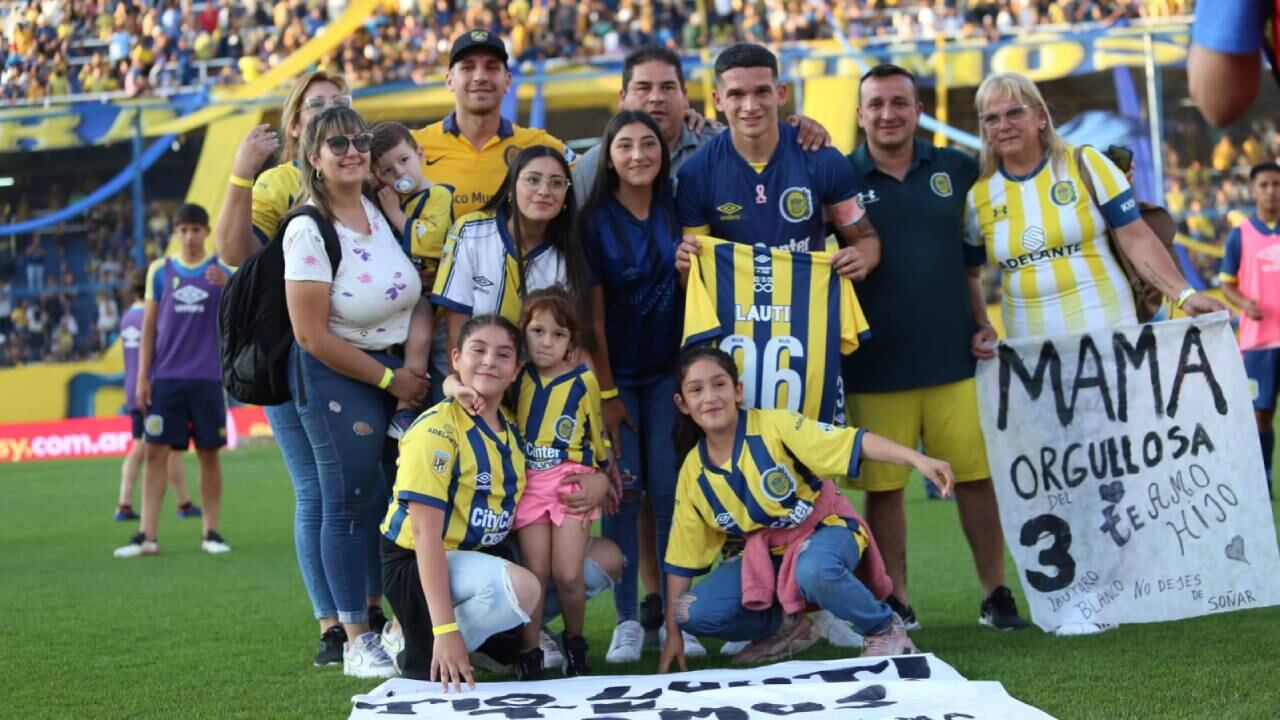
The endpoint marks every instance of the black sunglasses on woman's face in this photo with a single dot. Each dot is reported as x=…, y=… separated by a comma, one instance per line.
x=338, y=144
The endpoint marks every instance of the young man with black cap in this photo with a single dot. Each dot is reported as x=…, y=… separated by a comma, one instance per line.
x=470, y=148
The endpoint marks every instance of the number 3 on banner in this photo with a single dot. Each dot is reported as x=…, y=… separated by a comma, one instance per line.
x=1056, y=555
x=772, y=374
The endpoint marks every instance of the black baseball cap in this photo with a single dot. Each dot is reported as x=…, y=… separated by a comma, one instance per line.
x=473, y=40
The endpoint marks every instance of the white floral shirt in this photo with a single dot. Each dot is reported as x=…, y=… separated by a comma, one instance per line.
x=376, y=287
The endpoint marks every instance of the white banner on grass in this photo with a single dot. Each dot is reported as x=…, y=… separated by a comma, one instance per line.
x=920, y=687
x=1127, y=468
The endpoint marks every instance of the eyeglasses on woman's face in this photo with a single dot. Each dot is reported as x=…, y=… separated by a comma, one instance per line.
x=320, y=102
x=534, y=180
x=1014, y=115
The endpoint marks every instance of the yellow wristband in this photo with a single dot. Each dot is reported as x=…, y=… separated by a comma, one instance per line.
x=445, y=629
x=387, y=375
x=609, y=394
x=240, y=182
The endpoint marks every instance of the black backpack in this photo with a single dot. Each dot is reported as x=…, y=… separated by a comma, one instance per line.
x=253, y=319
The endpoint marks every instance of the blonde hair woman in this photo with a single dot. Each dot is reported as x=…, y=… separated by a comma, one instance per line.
x=1038, y=222
x=1035, y=217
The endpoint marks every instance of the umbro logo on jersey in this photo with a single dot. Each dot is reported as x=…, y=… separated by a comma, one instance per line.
x=1000, y=212
x=730, y=211
x=1270, y=257
x=725, y=520
x=190, y=299
x=484, y=481
x=131, y=337
x=763, y=259
x=482, y=284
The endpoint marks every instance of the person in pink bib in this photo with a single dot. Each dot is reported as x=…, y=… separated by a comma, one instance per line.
x=1250, y=277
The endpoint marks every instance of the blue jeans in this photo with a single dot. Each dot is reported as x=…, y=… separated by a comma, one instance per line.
x=824, y=572
x=286, y=426
x=345, y=421
x=648, y=461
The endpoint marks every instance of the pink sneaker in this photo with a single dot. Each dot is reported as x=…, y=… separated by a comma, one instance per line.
x=893, y=641
x=796, y=635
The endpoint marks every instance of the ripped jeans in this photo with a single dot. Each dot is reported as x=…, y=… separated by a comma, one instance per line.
x=345, y=422
x=824, y=572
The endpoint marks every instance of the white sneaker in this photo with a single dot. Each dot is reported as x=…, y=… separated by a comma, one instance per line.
x=138, y=545
x=692, y=648
x=836, y=631
x=1074, y=629
x=214, y=544
x=392, y=640
x=733, y=647
x=552, y=658
x=365, y=658
x=628, y=639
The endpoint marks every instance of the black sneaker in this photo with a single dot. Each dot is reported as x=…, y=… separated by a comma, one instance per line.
x=331, y=644
x=529, y=665
x=575, y=655
x=1000, y=611
x=377, y=619
x=904, y=612
x=651, y=619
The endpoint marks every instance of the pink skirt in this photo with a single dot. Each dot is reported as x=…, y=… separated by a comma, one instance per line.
x=541, y=499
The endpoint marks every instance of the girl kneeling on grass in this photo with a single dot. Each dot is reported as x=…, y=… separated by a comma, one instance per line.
x=455, y=492
x=558, y=402
x=757, y=475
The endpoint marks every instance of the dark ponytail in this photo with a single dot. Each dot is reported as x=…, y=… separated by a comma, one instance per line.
x=686, y=434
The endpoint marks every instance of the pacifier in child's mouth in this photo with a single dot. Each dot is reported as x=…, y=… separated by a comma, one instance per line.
x=404, y=184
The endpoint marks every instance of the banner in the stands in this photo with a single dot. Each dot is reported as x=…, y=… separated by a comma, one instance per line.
x=920, y=687
x=1128, y=472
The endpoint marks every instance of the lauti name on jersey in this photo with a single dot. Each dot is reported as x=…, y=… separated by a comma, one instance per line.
x=784, y=317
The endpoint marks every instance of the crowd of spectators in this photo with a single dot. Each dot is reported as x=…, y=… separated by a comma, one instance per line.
x=52, y=48
x=1208, y=191
x=62, y=291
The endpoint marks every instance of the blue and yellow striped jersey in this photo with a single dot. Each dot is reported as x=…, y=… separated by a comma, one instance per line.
x=473, y=474
x=560, y=419
x=428, y=217
x=772, y=481
x=274, y=192
x=785, y=317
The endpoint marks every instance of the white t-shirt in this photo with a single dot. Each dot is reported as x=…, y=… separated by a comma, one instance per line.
x=373, y=294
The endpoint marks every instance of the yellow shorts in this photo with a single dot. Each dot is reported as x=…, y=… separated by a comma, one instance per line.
x=944, y=418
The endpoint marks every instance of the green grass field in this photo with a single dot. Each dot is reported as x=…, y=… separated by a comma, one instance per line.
x=186, y=635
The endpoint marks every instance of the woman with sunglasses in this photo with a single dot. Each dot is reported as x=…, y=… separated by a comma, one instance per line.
x=345, y=374
x=1033, y=214
x=250, y=216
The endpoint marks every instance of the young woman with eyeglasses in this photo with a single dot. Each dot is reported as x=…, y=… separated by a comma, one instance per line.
x=523, y=239
x=345, y=369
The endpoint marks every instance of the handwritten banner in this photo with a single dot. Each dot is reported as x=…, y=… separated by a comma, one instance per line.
x=1128, y=473
x=920, y=687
